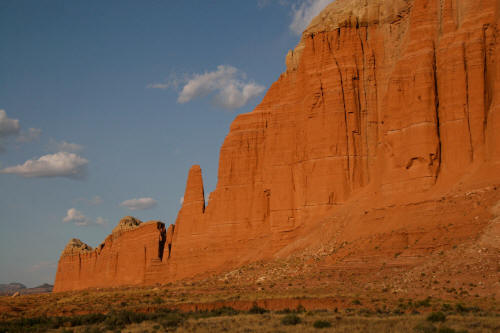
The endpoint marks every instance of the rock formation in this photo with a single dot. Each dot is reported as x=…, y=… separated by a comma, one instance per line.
x=388, y=109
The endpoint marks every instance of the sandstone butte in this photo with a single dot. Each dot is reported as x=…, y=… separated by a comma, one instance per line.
x=383, y=133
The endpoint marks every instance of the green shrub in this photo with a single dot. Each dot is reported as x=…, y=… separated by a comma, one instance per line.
x=291, y=319
x=322, y=324
x=436, y=317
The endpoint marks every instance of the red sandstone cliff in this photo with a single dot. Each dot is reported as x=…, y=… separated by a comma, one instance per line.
x=387, y=111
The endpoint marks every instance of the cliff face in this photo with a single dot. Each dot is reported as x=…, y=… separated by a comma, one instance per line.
x=384, y=105
x=122, y=259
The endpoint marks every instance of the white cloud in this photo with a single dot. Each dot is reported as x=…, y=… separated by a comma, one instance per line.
x=69, y=147
x=8, y=126
x=77, y=217
x=31, y=135
x=228, y=85
x=139, y=204
x=304, y=13
x=172, y=82
x=61, y=164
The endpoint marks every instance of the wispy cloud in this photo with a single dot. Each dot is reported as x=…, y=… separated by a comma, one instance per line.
x=227, y=85
x=73, y=215
x=96, y=200
x=63, y=146
x=8, y=126
x=43, y=265
x=31, y=135
x=139, y=203
x=174, y=81
x=79, y=219
x=101, y=221
x=265, y=3
x=61, y=164
x=303, y=13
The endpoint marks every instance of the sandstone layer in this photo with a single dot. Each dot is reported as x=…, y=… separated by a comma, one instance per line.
x=383, y=133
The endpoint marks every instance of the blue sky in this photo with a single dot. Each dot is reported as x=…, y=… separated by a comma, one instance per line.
x=104, y=106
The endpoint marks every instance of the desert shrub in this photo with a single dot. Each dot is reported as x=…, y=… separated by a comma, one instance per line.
x=300, y=309
x=446, y=307
x=257, y=309
x=460, y=308
x=223, y=311
x=436, y=317
x=425, y=328
x=121, y=319
x=92, y=318
x=356, y=302
x=365, y=312
x=291, y=319
x=157, y=300
x=92, y=329
x=398, y=312
x=322, y=324
x=423, y=303
x=445, y=329
x=171, y=320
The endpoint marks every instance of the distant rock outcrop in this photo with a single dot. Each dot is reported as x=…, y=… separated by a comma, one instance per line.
x=387, y=116
x=16, y=289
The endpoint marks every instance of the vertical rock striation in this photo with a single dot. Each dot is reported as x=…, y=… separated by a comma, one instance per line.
x=382, y=102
